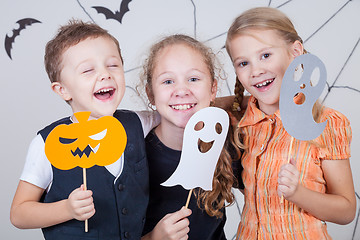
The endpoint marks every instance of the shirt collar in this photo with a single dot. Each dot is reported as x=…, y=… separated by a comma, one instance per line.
x=254, y=115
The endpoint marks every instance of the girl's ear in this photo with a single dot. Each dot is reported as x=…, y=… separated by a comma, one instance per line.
x=213, y=90
x=150, y=94
x=297, y=49
x=59, y=89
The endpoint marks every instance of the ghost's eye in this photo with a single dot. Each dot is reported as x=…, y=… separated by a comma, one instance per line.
x=200, y=125
x=218, y=128
x=67, y=140
x=99, y=135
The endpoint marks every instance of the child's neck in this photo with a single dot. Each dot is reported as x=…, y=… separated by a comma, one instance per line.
x=172, y=138
x=74, y=120
x=268, y=109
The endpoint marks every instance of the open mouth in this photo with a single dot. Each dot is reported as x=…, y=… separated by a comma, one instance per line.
x=265, y=83
x=204, y=147
x=104, y=93
x=182, y=106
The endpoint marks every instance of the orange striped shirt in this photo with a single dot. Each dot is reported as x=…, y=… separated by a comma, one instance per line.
x=264, y=216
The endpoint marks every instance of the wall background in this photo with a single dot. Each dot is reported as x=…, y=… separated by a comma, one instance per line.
x=330, y=30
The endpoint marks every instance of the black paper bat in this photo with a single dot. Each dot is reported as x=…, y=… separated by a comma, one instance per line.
x=118, y=15
x=16, y=32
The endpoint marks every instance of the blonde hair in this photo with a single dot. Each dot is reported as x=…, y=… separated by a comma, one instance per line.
x=263, y=18
x=211, y=201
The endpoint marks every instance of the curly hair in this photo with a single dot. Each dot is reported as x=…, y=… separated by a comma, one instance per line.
x=214, y=201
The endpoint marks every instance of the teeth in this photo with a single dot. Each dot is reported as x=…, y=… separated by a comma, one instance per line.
x=264, y=83
x=96, y=148
x=183, y=107
x=104, y=90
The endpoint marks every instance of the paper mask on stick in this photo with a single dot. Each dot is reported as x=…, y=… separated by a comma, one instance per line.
x=196, y=168
x=86, y=143
x=297, y=118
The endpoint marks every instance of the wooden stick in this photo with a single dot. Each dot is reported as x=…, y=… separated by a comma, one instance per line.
x=188, y=199
x=85, y=188
x=289, y=154
x=288, y=160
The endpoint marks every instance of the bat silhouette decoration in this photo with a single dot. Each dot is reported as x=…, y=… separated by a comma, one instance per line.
x=118, y=15
x=16, y=32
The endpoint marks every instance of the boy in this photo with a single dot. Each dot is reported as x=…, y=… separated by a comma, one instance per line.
x=85, y=66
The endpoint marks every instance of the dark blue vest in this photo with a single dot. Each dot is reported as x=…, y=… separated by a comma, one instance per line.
x=120, y=207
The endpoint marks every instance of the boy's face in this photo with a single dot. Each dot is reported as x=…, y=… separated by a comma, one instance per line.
x=92, y=77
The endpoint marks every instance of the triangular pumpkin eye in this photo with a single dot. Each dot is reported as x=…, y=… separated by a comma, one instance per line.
x=67, y=140
x=99, y=136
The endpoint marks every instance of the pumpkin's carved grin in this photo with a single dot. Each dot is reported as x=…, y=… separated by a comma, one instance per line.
x=87, y=151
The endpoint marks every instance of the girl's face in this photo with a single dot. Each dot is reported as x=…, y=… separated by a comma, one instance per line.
x=181, y=84
x=260, y=59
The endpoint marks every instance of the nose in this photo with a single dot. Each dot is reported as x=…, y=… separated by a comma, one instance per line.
x=104, y=75
x=257, y=70
x=182, y=90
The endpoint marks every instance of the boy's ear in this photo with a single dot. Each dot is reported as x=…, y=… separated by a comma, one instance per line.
x=214, y=90
x=59, y=89
x=297, y=49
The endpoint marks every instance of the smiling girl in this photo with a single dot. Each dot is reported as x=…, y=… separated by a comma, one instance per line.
x=180, y=80
x=317, y=184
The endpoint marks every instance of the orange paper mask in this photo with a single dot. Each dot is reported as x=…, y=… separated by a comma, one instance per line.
x=86, y=143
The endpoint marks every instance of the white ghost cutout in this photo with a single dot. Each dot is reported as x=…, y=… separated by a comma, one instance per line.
x=297, y=119
x=196, y=169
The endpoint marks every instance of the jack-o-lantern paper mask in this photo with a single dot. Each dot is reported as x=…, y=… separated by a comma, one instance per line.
x=86, y=143
x=298, y=95
x=209, y=127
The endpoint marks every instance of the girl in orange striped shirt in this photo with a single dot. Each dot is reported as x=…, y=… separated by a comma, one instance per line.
x=317, y=184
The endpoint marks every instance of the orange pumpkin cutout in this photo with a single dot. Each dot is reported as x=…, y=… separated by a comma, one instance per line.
x=86, y=143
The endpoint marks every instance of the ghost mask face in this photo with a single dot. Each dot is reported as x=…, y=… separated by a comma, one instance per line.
x=209, y=127
x=298, y=95
x=205, y=134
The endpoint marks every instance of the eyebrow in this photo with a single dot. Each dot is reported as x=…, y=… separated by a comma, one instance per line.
x=161, y=74
x=85, y=61
x=198, y=70
x=265, y=49
x=81, y=63
x=257, y=52
x=190, y=70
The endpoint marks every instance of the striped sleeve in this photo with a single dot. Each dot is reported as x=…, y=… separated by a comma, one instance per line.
x=336, y=138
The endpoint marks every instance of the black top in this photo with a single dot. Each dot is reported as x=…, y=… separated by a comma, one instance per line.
x=163, y=200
